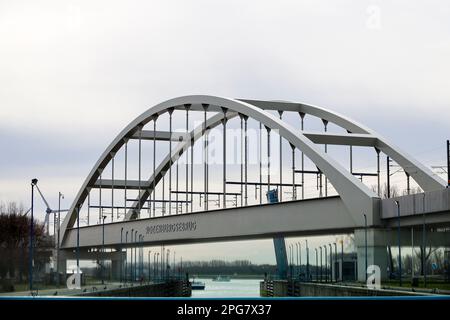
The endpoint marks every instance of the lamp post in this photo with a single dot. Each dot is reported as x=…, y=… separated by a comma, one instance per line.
x=131, y=254
x=320, y=263
x=331, y=262
x=424, y=270
x=103, y=249
x=335, y=258
x=60, y=195
x=317, y=265
x=30, y=258
x=365, y=244
x=399, y=244
x=307, y=260
x=149, y=260
x=126, y=256
x=135, y=260
x=121, y=249
x=300, y=256
x=326, y=263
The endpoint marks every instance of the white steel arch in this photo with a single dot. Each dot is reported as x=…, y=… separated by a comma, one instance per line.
x=355, y=195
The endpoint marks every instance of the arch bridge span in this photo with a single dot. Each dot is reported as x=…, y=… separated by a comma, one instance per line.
x=140, y=196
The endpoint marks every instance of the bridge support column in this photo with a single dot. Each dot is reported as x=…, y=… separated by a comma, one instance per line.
x=377, y=240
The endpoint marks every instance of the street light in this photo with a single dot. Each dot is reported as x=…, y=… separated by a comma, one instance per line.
x=298, y=266
x=121, y=249
x=30, y=258
x=149, y=261
x=365, y=244
x=335, y=257
x=300, y=256
x=103, y=248
x=131, y=253
x=424, y=270
x=326, y=263
x=320, y=263
x=126, y=256
x=307, y=259
x=331, y=262
x=317, y=265
x=60, y=196
x=135, y=260
x=399, y=244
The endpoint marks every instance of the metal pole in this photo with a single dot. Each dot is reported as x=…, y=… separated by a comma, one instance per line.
x=149, y=265
x=176, y=195
x=335, y=256
x=59, y=228
x=448, y=163
x=302, y=117
x=331, y=262
x=154, y=165
x=131, y=253
x=412, y=252
x=121, y=250
x=224, y=122
x=365, y=244
x=139, y=173
x=205, y=165
x=320, y=264
x=326, y=263
x=408, y=189
x=399, y=243
x=307, y=260
x=103, y=249
x=293, y=172
x=342, y=260
x=300, y=256
x=424, y=269
x=317, y=266
x=388, y=183
x=325, y=124
x=245, y=159
x=30, y=258
x=280, y=112
x=260, y=163
x=242, y=157
x=135, y=260
x=187, y=106
x=297, y=252
x=126, y=256
x=89, y=205
x=126, y=176
x=170, y=160
x=378, y=172
x=78, y=238
x=268, y=159
x=112, y=189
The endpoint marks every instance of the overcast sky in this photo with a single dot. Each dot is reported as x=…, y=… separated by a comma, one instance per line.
x=74, y=73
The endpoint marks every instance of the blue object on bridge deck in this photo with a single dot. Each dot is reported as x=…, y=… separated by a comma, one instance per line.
x=278, y=242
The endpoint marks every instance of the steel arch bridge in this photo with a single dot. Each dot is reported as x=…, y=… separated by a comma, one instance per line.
x=189, y=223
x=356, y=197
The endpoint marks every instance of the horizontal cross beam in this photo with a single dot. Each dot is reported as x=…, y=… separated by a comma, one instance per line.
x=121, y=184
x=209, y=192
x=348, y=139
x=159, y=135
x=264, y=183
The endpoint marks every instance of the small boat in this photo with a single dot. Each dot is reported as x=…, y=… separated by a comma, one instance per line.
x=222, y=278
x=197, y=285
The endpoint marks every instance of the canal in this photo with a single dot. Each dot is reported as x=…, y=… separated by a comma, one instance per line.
x=233, y=288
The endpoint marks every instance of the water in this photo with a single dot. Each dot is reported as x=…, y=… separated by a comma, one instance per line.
x=233, y=288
